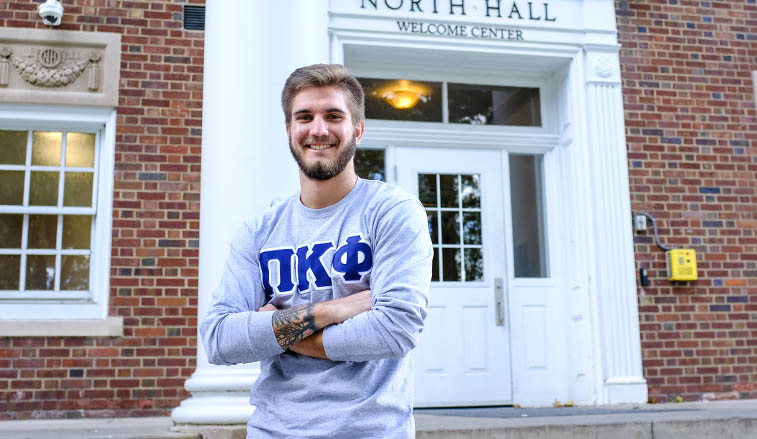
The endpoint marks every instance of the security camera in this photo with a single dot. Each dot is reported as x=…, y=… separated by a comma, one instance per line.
x=51, y=12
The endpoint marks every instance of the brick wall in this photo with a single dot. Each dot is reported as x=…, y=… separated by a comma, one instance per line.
x=155, y=229
x=690, y=125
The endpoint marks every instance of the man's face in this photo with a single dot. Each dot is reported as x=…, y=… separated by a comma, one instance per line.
x=322, y=137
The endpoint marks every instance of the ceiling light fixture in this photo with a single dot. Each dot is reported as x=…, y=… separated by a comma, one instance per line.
x=404, y=94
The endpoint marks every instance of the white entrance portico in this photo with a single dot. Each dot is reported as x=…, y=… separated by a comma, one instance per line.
x=573, y=334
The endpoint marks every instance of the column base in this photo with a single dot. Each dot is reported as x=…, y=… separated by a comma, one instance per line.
x=220, y=396
x=213, y=431
x=626, y=390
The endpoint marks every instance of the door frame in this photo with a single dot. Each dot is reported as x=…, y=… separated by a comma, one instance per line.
x=567, y=376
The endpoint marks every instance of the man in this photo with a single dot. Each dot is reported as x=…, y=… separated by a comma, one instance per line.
x=329, y=288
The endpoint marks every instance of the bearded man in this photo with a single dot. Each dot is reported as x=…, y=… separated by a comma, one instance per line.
x=329, y=288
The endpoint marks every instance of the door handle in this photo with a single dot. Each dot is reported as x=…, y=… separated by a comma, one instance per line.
x=499, y=300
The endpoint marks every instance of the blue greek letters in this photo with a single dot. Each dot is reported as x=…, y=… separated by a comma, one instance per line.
x=313, y=264
x=284, y=258
x=309, y=267
x=347, y=259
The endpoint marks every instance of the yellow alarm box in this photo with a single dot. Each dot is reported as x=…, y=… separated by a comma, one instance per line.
x=682, y=264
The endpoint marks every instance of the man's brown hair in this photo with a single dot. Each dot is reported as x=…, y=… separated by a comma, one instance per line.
x=324, y=75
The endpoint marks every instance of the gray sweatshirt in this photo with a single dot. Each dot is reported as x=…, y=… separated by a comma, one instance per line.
x=375, y=238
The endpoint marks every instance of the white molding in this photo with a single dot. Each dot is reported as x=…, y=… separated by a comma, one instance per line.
x=71, y=118
x=109, y=327
x=380, y=134
x=613, y=285
x=602, y=64
x=373, y=53
x=220, y=395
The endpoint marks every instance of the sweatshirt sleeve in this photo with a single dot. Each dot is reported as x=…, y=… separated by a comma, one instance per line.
x=232, y=331
x=400, y=282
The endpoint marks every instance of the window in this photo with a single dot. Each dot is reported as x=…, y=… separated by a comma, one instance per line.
x=47, y=205
x=370, y=164
x=526, y=188
x=55, y=210
x=469, y=104
x=453, y=207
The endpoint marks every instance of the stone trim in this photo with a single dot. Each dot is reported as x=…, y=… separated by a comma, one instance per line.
x=108, y=327
x=41, y=66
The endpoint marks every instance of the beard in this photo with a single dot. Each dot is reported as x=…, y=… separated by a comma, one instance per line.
x=324, y=171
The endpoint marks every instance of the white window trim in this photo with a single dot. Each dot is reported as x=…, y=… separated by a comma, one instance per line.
x=103, y=121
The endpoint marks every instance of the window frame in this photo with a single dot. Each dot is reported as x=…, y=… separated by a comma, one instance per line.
x=101, y=121
x=541, y=140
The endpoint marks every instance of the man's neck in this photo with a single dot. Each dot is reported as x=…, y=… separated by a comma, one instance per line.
x=317, y=194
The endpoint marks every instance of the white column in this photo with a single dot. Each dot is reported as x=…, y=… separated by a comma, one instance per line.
x=614, y=282
x=250, y=49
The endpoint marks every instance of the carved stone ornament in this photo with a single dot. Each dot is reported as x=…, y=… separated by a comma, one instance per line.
x=52, y=67
x=5, y=53
x=603, y=67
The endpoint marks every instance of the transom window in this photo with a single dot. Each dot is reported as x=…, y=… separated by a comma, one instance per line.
x=447, y=102
x=47, y=211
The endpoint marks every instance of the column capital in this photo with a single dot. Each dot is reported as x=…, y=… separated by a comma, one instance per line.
x=602, y=64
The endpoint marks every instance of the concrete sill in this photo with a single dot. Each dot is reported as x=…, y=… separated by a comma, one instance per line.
x=109, y=327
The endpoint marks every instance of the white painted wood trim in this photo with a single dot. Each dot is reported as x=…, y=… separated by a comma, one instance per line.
x=613, y=284
x=109, y=327
x=103, y=122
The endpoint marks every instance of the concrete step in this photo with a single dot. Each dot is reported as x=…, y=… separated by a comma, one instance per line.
x=108, y=428
x=716, y=420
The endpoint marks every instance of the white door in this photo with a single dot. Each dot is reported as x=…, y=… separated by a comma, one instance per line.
x=463, y=357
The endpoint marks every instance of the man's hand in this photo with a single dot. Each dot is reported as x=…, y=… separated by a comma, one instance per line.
x=292, y=326
x=268, y=307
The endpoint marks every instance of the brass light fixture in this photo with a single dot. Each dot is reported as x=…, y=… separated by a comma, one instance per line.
x=404, y=94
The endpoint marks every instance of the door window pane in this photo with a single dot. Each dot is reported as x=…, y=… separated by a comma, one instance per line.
x=472, y=228
x=12, y=187
x=449, y=188
x=10, y=230
x=433, y=230
x=528, y=215
x=474, y=265
x=451, y=265
x=40, y=272
x=493, y=105
x=78, y=189
x=43, y=189
x=400, y=99
x=427, y=189
x=46, y=148
x=435, y=266
x=451, y=228
x=369, y=164
x=13, y=147
x=9, y=271
x=42, y=231
x=80, y=150
x=470, y=191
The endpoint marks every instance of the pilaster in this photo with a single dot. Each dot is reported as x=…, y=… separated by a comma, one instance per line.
x=613, y=280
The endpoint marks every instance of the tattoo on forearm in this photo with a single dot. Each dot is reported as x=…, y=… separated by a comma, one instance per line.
x=293, y=324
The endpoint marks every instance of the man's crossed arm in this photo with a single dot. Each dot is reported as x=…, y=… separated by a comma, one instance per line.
x=299, y=329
